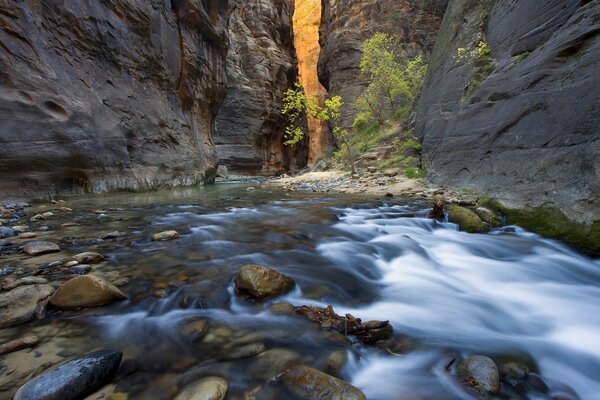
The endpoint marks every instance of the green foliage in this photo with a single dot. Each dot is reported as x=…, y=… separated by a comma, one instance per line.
x=394, y=79
x=294, y=107
x=480, y=52
x=519, y=57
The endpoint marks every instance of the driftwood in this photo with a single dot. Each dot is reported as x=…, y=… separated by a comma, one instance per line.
x=368, y=332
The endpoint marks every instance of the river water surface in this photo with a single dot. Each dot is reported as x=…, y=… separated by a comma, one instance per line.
x=510, y=295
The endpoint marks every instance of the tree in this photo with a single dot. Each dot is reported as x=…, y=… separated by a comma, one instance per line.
x=296, y=105
x=394, y=79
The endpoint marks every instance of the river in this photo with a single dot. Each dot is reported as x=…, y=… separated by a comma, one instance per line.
x=510, y=295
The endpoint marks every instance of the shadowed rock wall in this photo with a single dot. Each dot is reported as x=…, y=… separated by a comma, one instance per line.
x=528, y=133
x=107, y=95
x=261, y=66
x=346, y=24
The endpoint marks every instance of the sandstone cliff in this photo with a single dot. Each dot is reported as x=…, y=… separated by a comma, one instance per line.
x=346, y=24
x=105, y=95
x=523, y=127
x=307, y=20
x=261, y=65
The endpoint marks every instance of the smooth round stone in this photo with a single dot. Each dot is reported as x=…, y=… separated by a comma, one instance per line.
x=166, y=235
x=482, y=370
x=310, y=384
x=209, y=388
x=74, y=379
x=39, y=247
x=261, y=282
x=88, y=258
x=85, y=291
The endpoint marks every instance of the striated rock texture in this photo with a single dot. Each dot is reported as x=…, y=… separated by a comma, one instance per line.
x=97, y=96
x=524, y=127
x=346, y=24
x=261, y=66
x=307, y=20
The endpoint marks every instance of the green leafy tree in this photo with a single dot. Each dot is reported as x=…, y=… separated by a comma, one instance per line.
x=394, y=79
x=296, y=105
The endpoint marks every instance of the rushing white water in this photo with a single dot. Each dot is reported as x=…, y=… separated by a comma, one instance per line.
x=458, y=294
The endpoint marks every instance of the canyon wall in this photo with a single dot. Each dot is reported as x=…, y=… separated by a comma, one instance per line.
x=261, y=65
x=523, y=127
x=97, y=96
x=346, y=24
x=307, y=20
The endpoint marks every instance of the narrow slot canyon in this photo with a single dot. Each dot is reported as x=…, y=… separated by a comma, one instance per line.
x=306, y=22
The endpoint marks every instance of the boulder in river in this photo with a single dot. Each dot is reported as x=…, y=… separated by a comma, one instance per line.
x=262, y=282
x=466, y=219
x=85, y=291
x=310, y=384
x=23, y=303
x=480, y=373
x=38, y=247
x=166, y=235
x=88, y=258
x=209, y=388
x=74, y=379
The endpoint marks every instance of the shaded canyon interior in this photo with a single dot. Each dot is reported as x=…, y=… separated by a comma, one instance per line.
x=142, y=94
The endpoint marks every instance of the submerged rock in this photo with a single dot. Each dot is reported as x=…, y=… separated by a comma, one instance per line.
x=209, y=388
x=74, y=379
x=466, y=219
x=480, y=373
x=19, y=344
x=310, y=384
x=85, y=291
x=38, y=247
x=166, y=235
x=23, y=304
x=88, y=258
x=261, y=282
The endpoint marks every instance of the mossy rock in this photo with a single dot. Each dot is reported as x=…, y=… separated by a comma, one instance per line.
x=466, y=219
x=549, y=221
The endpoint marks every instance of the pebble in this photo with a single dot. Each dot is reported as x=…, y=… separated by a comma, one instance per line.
x=480, y=372
x=29, y=280
x=7, y=232
x=262, y=282
x=36, y=218
x=310, y=384
x=209, y=388
x=27, y=235
x=85, y=291
x=88, y=258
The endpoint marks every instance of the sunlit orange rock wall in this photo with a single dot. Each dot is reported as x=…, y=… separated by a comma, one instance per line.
x=307, y=19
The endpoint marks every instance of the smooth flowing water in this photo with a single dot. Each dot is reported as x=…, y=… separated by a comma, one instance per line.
x=510, y=295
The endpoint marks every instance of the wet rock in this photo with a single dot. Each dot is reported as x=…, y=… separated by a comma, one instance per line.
x=121, y=281
x=245, y=351
x=209, y=388
x=261, y=282
x=480, y=373
x=19, y=344
x=88, y=258
x=47, y=215
x=222, y=172
x=71, y=264
x=273, y=362
x=514, y=370
x=310, y=384
x=6, y=271
x=20, y=228
x=65, y=209
x=23, y=304
x=466, y=219
x=85, y=291
x=7, y=232
x=74, y=379
x=27, y=235
x=80, y=269
x=113, y=235
x=488, y=216
x=335, y=361
x=38, y=247
x=194, y=329
x=28, y=280
x=282, y=308
x=166, y=235
x=37, y=217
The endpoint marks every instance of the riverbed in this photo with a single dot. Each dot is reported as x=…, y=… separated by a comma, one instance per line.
x=509, y=294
